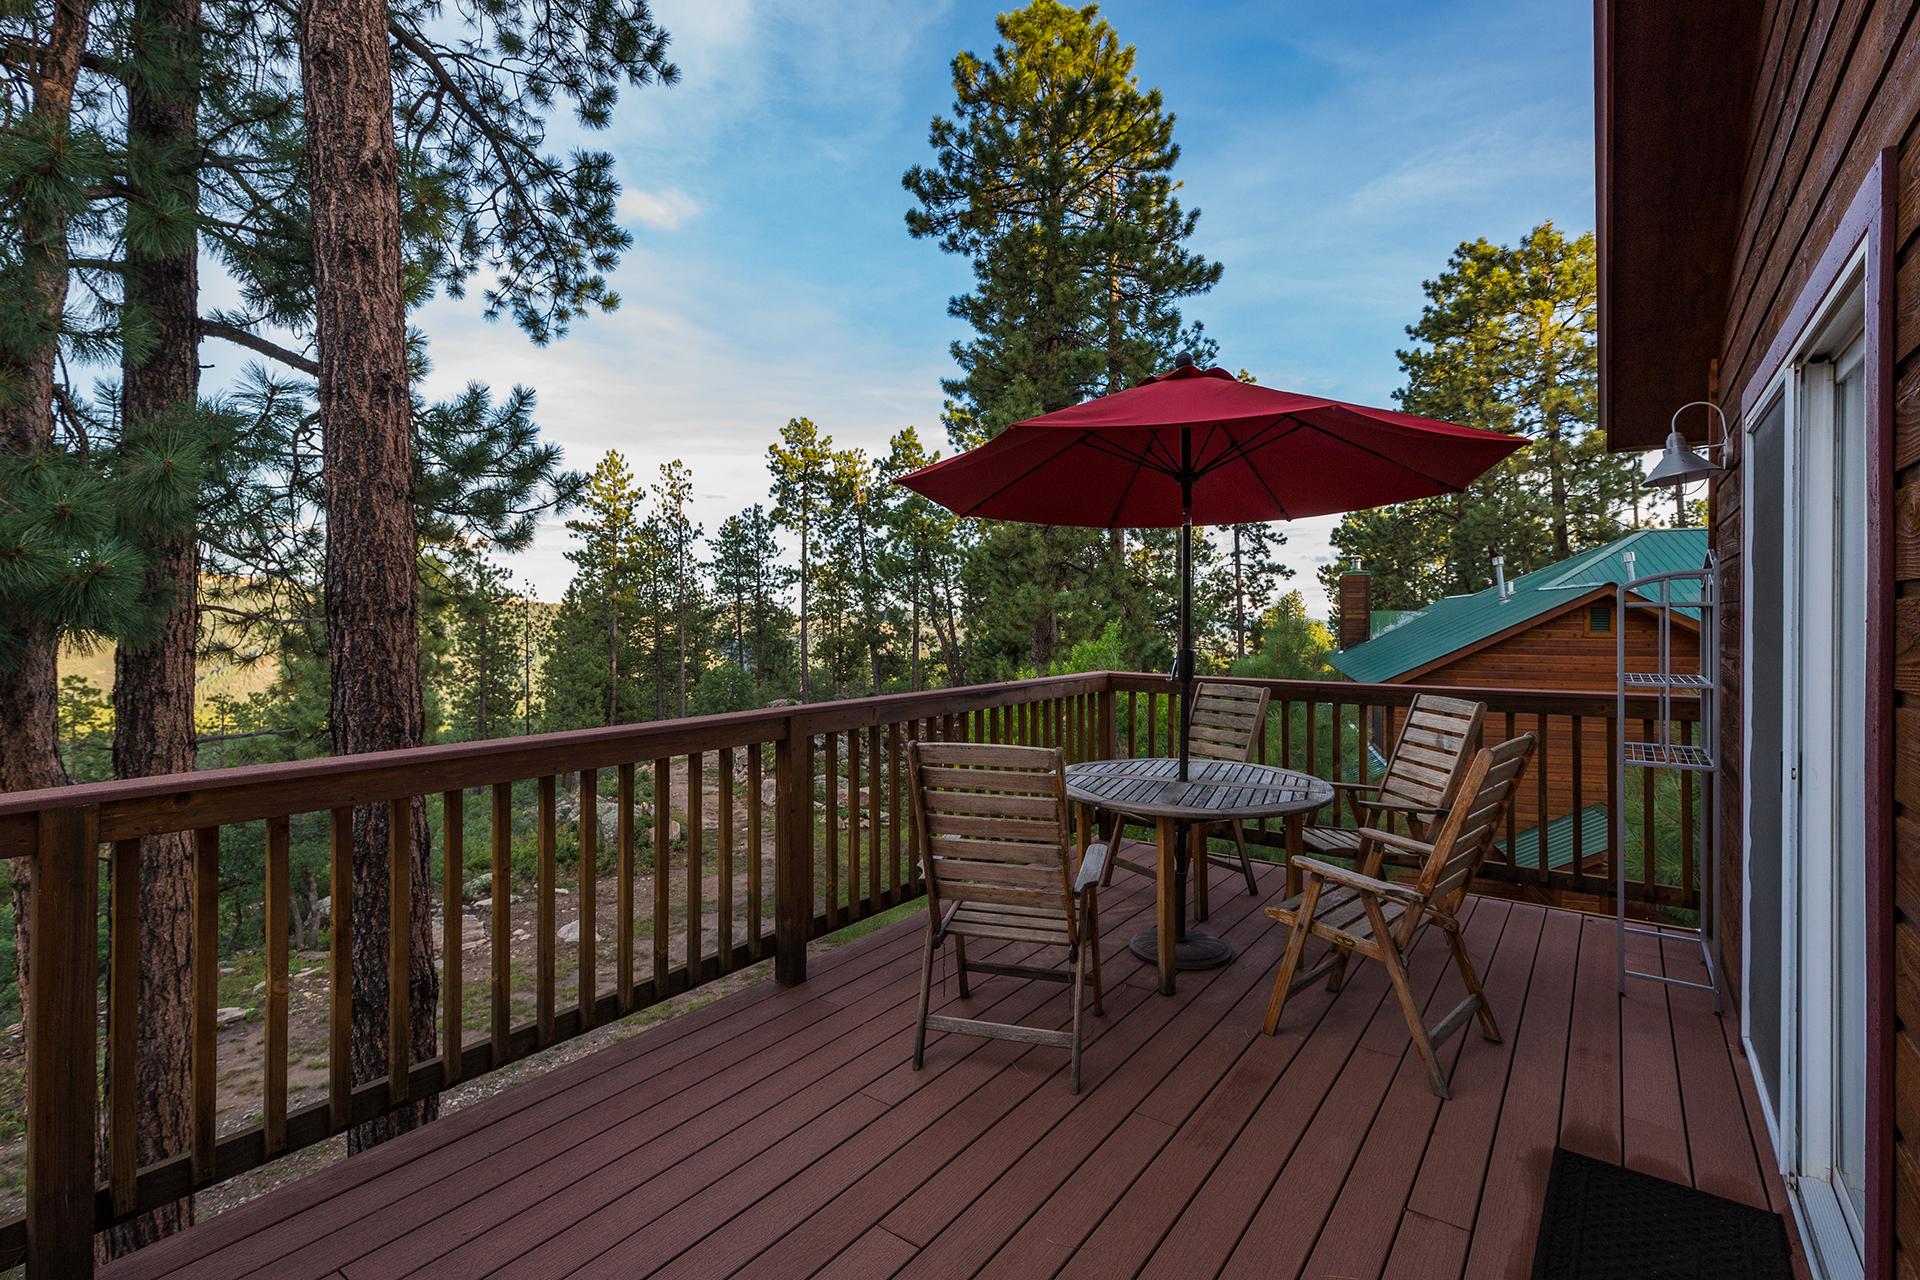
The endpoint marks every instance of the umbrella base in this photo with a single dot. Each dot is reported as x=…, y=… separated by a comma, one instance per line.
x=1197, y=950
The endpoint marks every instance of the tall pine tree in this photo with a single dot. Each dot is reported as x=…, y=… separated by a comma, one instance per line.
x=1053, y=176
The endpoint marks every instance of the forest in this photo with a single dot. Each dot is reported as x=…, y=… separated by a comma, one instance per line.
x=172, y=174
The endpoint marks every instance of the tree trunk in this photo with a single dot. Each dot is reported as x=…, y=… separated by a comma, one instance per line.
x=913, y=631
x=30, y=691
x=373, y=633
x=806, y=694
x=153, y=729
x=1239, y=601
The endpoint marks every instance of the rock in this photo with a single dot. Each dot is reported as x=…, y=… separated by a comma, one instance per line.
x=482, y=904
x=259, y=987
x=569, y=932
x=228, y=1016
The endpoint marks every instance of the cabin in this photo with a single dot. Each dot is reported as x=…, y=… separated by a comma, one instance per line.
x=1555, y=629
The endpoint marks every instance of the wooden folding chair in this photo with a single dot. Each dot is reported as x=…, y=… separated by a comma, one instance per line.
x=1361, y=914
x=991, y=826
x=1435, y=744
x=1227, y=722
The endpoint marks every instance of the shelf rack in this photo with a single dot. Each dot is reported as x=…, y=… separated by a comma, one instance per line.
x=1663, y=596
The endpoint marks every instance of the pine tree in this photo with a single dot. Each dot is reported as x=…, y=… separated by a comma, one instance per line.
x=801, y=464
x=921, y=558
x=750, y=583
x=1053, y=177
x=678, y=534
x=484, y=675
x=591, y=664
x=1255, y=574
x=366, y=415
x=1505, y=342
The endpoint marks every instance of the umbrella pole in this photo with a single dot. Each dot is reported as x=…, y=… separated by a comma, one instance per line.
x=1183, y=663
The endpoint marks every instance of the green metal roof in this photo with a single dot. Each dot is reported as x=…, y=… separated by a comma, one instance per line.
x=1594, y=836
x=1385, y=619
x=1448, y=625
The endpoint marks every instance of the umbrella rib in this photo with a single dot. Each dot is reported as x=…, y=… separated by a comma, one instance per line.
x=1241, y=452
x=974, y=507
x=1384, y=457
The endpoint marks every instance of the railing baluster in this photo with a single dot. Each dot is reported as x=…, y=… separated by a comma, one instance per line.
x=1286, y=735
x=500, y=923
x=278, y=897
x=1513, y=846
x=1541, y=770
x=873, y=818
x=545, y=928
x=723, y=875
x=340, y=975
x=1686, y=820
x=588, y=887
x=623, y=891
x=123, y=1023
x=853, y=826
x=206, y=998
x=399, y=949
x=895, y=749
x=696, y=863
x=662, y=868
x=756, y=845
x=452, y=941
x=1579, y=845
x=1647, y=780
x=832, y=829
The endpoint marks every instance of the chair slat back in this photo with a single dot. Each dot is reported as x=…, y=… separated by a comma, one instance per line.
x=1435, y=745
x=991, y=825
x=1478, y=811
x=1227, y=720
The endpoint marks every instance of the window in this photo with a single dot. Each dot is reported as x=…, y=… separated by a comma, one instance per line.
x=1599, y=620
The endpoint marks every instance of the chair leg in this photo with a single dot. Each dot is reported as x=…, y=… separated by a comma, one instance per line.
x=1403, y=993
x=1488, y=1027
x=960, y=963
x=1079, y=992
x=1337, y=975
x=1246, y=863
x=1091, y=917
x=926, y=997
x=1296, y=944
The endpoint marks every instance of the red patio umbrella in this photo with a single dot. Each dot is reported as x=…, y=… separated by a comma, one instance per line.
x=1199, y=444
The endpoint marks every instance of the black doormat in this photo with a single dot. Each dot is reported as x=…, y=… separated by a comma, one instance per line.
x=1602, y=1222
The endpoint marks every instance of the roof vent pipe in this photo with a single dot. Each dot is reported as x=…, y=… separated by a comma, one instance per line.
x=1500, y=577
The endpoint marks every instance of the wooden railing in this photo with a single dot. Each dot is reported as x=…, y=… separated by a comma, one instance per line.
x=1557, y=846
x=806, y=834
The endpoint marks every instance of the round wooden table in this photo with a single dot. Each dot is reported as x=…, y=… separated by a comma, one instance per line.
x=1215, y=791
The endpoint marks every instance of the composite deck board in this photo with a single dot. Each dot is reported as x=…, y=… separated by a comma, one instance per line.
x=784, y=1133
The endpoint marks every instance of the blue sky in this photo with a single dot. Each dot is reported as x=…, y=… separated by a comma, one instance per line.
x=1337, y=151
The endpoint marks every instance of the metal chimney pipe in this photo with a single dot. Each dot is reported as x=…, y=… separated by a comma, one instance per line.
x=1500, y=577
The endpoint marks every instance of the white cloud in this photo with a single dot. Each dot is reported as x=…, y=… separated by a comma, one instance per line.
x=661, y=210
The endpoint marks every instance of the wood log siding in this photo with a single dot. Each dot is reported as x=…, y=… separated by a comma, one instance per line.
x=834, y=823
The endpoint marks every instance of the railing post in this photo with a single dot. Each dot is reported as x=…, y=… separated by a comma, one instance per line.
x=61, y=1013
x=792, y=852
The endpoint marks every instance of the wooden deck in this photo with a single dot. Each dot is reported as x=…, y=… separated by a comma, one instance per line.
x=783, y=1133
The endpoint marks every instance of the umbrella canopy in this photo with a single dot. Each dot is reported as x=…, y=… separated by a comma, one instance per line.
x=1245, y=453
x=1199, y=444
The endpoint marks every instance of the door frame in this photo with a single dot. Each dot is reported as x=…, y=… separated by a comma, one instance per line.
x=1865, y=234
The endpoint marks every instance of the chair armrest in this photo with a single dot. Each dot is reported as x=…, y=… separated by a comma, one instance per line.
x=1091, y=866
x=1354, y=786
x=1354, y=880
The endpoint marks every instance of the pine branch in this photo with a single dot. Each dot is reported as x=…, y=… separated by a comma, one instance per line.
x=211, y=328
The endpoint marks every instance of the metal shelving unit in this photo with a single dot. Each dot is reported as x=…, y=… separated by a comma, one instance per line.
x=1663, y=595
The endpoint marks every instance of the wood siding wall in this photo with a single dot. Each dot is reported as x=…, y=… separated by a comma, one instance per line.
x=1838, y=82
